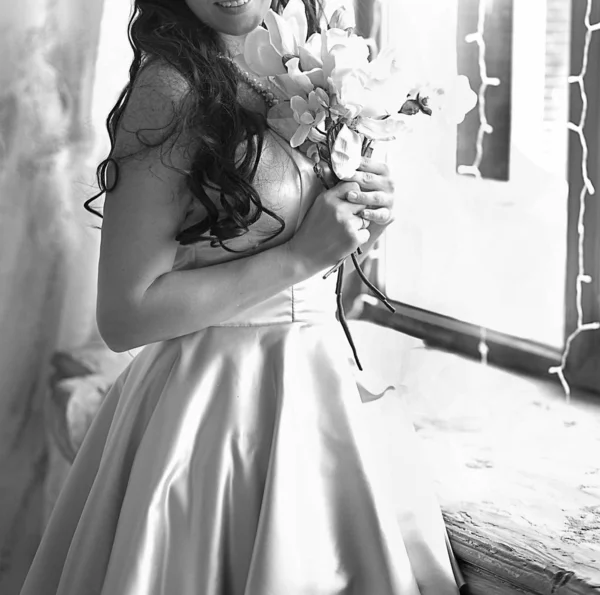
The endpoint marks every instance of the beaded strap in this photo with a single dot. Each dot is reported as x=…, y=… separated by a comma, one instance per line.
x=256, y=85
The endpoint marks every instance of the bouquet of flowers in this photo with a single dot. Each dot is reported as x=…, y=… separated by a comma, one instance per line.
x=332, y=102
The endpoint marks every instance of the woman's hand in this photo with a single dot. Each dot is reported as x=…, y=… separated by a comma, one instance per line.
x=332, y=228
x=376, y=193
x=335, y=226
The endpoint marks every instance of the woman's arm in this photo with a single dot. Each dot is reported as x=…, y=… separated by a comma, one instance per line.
x=180, y=302
x=140, y=299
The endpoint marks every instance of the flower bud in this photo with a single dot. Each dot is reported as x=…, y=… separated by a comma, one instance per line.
x=416, y=105
x=410, y=107
x=313, y=153
x=423, y=102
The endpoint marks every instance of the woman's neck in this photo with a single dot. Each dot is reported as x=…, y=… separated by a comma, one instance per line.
x=234, y=43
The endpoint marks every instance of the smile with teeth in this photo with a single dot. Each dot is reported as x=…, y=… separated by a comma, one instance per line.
x=233, y=3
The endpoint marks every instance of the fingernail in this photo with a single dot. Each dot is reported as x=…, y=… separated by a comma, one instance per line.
x=366, y=213
x=352, y=196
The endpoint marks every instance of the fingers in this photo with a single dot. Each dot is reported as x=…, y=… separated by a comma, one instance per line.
x=341, y=193
x=356, y=225
x=373, y=166
x=375, y=199
x=362, y=236
x=383, y=216
x=369, y=181
x=360, y=222
x=372, y=176
x=353, y=199
x=343, y=189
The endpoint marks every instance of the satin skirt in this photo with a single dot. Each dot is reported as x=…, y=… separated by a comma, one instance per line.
x=246, y=460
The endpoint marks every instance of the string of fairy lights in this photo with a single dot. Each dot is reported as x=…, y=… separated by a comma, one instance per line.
x=587, y=190
x=583, y=278
x=478, y=37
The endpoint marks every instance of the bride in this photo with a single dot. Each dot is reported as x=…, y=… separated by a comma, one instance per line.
x=232, y=456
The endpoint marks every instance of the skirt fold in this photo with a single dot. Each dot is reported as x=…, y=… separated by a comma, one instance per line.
x=242, y=461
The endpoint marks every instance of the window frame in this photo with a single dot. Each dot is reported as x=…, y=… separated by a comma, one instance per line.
x=583, y=363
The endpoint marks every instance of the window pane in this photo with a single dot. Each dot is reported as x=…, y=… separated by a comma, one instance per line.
x=485, y=251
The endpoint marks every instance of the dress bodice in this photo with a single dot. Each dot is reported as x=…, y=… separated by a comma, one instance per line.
x=288, y=186
x=310, y=301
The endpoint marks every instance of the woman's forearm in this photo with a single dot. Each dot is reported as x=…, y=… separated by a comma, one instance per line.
x=183, y=302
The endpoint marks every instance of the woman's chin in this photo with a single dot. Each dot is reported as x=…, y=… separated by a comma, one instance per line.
x=232, y=18
x=236, y=29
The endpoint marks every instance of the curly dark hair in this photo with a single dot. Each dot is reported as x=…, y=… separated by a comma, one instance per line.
x=169, y=32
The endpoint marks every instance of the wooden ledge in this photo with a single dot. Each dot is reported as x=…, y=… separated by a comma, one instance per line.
x=497, y=560
x=518, y=476
x=517, y=471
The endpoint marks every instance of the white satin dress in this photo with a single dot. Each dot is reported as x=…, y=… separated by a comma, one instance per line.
x=247, y=459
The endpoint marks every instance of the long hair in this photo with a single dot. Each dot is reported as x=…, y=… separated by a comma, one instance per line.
x=168, y=31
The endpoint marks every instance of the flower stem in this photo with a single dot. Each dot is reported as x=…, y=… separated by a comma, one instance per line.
x=331, y=134
x=333, y=269
x=380, y=295
x=342, y=314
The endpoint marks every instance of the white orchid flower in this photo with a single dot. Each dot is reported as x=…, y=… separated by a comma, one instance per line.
x=339, y=50
x=300, y=78
x=371, y=89
x=386, y=65
x=285, y=87
x=260, y=56
x=288, y=30
x=296, y=81
x=316, y=60
x=308, y=114
x=385, y=129
x=310, y=57
x=346, y=153
x=450, y=101
x=311, y=51
x=267, y=50
x=367, y=92
x=343, y=19
x=388, y=85
x=351, y=96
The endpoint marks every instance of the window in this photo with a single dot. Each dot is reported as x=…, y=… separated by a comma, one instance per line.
x=491, y=261
x=112, y=67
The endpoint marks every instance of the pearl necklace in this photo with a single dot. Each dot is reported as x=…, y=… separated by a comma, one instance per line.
x=255, y=84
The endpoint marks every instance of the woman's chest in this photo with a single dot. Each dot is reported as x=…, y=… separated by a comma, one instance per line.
x=286, y=186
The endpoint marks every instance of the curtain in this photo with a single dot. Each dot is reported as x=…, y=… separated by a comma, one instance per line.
x=46, y=76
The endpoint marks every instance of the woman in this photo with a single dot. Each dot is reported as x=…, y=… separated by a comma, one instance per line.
x=232, y=455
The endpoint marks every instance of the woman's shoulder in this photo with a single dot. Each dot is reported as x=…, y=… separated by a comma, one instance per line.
x=160, y=79
x=152, y=142
x=154, y=109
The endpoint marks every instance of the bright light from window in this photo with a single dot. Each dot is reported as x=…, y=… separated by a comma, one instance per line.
x=487, y=252
x=112, y=66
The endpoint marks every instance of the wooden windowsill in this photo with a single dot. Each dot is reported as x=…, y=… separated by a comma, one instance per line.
x=517, y=471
